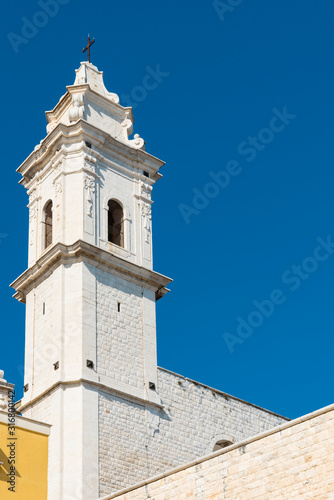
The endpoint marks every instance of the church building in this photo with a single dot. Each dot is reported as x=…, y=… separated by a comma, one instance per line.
x=114, y=424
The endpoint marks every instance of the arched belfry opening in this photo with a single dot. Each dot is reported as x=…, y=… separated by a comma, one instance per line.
x=221, y=444
x=115, y=223
x=48, y=224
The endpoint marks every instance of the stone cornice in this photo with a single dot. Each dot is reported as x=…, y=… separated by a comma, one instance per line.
x=82, y=130
x=82, y=251
x=130, y=394
x=61, y=106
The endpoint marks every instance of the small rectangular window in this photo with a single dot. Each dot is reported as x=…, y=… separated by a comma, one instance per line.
x=118, y=306
x=146, y=173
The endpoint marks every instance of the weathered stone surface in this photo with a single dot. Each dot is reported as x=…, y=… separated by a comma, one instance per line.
x=295, y=460
x=141, y=442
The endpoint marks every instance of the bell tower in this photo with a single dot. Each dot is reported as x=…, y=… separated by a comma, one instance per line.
x=89, y=289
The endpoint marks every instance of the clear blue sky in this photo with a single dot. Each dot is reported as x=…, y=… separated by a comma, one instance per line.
x=224, y=72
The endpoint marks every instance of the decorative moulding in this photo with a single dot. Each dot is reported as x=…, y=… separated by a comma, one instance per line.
x=67, y=133
x=127, y=123
x=137, y=142
x=59, y=253
x=77, y=111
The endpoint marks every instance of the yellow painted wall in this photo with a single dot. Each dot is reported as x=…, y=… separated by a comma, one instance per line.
x=31, y=464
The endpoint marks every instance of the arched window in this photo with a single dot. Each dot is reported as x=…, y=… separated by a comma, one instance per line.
x=115, y=223
x=221, y=444
x=48, y=225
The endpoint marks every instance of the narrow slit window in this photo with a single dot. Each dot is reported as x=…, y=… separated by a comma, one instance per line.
x=118, y=306
x=48, y=225
x=115, y=223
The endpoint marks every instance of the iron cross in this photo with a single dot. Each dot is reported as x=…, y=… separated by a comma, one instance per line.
x=89, y=43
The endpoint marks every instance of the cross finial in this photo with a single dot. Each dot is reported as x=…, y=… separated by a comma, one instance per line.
x=89, y=43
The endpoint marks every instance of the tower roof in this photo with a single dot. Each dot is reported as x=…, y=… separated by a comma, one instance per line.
x=89, y=74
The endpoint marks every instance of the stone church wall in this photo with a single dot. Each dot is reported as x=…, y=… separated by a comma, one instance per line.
x=137, y=442
x=295, y=460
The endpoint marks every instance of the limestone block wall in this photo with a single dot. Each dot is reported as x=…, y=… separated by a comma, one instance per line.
x=203, y=416
x=295, y=460
x=119, y=332
x=137, y=442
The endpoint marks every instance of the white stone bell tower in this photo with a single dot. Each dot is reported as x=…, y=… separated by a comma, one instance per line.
x=90, y=289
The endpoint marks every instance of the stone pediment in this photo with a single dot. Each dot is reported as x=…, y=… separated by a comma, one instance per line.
x=88, y=99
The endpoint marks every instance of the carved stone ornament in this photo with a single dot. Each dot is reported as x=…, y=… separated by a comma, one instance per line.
x=137, y=142
x=146, y=214
x=89, y=185
x=89, y=164
x=127, y=124
x=145, y=190
x=78, y=108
